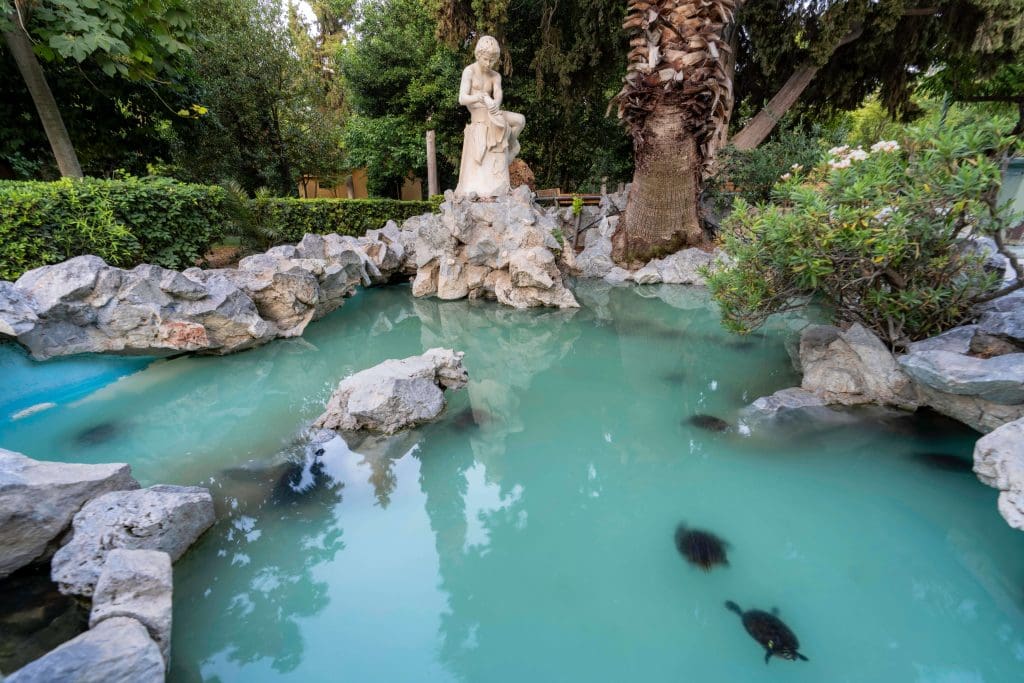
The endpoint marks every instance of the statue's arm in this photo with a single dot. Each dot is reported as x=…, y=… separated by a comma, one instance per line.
x=498, y=94
x=465, y=98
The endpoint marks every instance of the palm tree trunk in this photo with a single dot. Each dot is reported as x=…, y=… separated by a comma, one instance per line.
x=662, y=215
x=761, y=126
x=63, y=151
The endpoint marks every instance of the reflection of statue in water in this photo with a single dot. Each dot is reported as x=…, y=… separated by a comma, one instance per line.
x=492, y=136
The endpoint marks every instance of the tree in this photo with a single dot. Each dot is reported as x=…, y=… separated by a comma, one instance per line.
x=138, y=40
x=676, y=96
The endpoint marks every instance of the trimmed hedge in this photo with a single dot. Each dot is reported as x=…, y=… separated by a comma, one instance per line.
x=290, y=218
x=125, y=222
x=161, y=221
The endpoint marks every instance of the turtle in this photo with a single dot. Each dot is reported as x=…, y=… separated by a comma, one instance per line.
x=708, y=422
x=701, y=548
x=298, y=479
x=766, y=628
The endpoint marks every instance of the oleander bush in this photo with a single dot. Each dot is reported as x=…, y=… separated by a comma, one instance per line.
x=877, y=236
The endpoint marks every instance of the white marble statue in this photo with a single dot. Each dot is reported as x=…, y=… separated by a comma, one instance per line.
x=492, y=135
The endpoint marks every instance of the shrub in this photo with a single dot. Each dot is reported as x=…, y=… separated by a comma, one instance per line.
x=125, y=222
x=290, y=219
x=876, y=236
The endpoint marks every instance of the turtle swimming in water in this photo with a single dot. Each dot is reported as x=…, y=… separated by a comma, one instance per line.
x=766, y=628
x=709, y=422
x=701, y=548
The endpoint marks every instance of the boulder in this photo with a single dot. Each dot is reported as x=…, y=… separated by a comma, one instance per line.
x=999, y=379
x=782, y=401
x=17, y=315
x=999, y=462
x=165, y=518
x=956, y=340
x=852, y=367
x=395, y=394
x=284, y=293
x=85, y=306
x=974, y=412
x=118, y=650
x=680, y=268
x=502, y=249
x=38, y=500
x=595, y=261
x=136, y=584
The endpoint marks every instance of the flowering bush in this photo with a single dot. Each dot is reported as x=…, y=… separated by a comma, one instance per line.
x=875, y=235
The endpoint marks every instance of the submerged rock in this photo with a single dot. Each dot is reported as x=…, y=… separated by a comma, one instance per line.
x=118, y=650
x=165, y=518
x=999, y=462
x=395, y=394
x=38, y=500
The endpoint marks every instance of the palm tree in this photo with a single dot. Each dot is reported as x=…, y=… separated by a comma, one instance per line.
x=676, y=97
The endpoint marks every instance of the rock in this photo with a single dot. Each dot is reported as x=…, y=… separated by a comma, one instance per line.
x=85, y=306
x=999, y=462
x=16, y=313
x=782, y=401
x=118, y=650
x=987, y=346
x=595, y=261
x=136, y=584
x=680, y=268
x=395, y=394
x=974, y=412
x=165, y=518
x=502, y=249
x=852, y=367
x=999, y=379
x=956, y=340
x=1007, y=323
x=38, y=500
x=617, y=275
x=285, y=296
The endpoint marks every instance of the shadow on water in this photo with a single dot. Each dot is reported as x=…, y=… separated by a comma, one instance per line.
x=35, y=617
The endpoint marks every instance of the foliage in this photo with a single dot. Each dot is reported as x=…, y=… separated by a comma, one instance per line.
x=292, y=218
x=268, y=119
x=125, y=222
x=876, y=235
x=752, y=174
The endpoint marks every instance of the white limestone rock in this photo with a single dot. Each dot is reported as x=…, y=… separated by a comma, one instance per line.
x=17, y=315
x=852, y=367
x=136, y=584
x=502, y=249
x=999, y=462
x=118, y=650
x=680, y=268
x=85, y=306
x=395, y=394
x=38, y=500
x=781, y=401
x=165, y=518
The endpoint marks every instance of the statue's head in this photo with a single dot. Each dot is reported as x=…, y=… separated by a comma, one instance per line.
x=487, y=51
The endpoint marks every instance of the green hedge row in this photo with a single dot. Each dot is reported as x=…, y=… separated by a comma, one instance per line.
x=159, y=220
x=125, y=222
x=290, y=219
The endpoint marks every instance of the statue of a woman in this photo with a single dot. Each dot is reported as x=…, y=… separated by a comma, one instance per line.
x=492, y=136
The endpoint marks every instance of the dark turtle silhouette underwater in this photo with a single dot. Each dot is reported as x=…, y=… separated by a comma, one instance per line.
x=766, y=628
x=701, y=548
x=709, y=422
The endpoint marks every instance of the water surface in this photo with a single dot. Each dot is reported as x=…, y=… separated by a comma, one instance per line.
x=528, y=534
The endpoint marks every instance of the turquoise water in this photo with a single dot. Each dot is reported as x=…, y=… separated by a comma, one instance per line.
x=528, y=534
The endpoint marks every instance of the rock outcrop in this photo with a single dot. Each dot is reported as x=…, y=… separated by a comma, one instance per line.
x=38, y=500
x=852, y=367
x=164, y=518
x=502, y=249
x=999, y=462
x=118, y=650
x=136, y=584
x=84, y=305
x=680, y=268
x=999, y=379
x=396, y=394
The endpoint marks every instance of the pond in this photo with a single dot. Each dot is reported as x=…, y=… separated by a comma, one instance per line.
x=528, y=534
